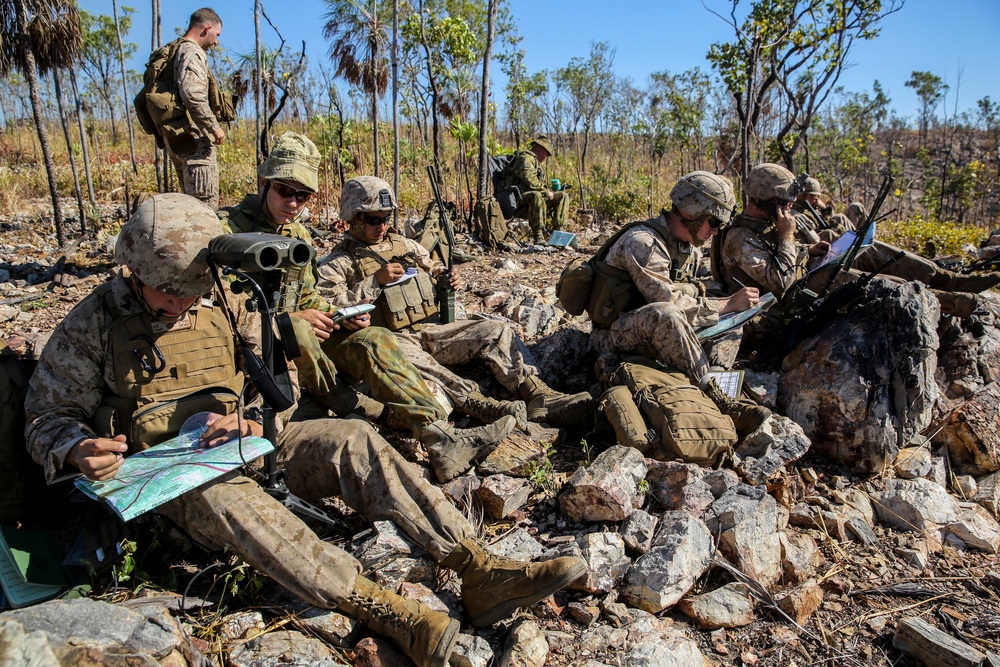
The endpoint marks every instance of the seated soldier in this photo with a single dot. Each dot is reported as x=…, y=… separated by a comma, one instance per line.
x=759, y=249
x=93, y=382
x=538, y=201
x=814, y=218
x=287, y=180
x=660, y=257
x=371, y=264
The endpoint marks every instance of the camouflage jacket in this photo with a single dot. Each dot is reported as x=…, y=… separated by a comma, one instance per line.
x=76, y=372
x=191, y=78
x=341, y=281
x=240, y=219
x=752, y=253
x=663, y=269
x=525, y=172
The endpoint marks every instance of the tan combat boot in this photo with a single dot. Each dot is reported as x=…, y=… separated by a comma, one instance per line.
x=452, y=450
x=957, y=304
x=545, y=404
x=747, y=416
x=426, y=636
x=949, y=281
x=494, y=586
x=488, y=410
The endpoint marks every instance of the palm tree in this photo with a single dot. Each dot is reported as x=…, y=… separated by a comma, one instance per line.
x=358, y=49
x=37, y=36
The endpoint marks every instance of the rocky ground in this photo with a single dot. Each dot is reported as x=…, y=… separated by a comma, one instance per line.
x=782, y=556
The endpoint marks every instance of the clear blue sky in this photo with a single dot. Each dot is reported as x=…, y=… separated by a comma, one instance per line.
x=654, y=35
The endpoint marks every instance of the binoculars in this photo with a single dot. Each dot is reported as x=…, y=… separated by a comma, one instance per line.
x=258, y=252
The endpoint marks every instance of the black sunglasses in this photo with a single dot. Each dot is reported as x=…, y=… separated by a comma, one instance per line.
x=287, y=191
x=375, y=220
x=715, y=223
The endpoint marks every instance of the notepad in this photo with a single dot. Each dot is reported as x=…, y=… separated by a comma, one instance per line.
x=730, y=382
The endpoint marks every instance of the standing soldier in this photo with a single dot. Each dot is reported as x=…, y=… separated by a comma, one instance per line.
x=397, y=275
x=184, y=106
x=538, y=201
x=95, y=397
x=287, y=180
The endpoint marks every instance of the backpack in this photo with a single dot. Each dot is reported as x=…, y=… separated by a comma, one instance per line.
x=685, y=423
x=491, y=225
x=158, y=63
x=508, y=198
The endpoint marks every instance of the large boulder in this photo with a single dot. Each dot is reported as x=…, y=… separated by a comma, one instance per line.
x=864, y=386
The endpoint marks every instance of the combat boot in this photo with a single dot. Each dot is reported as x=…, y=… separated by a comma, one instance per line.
x=747, y=416
x=545, y=404
x=344, y=400
x=949, y=281
x=494, y=586
x=452, y=451
x=488, y=410
x=426, y=636
x=957, y=304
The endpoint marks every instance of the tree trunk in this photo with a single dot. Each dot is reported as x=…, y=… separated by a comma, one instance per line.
x=436, y=131
x=375, y=131
x=83, y=140
x=257, y=83
x=31, y=74
x=121, y=60
x=395, y=107
x=69, y=151
x=484, y=101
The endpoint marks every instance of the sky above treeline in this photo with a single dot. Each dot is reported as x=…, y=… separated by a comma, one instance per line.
x=954, y=40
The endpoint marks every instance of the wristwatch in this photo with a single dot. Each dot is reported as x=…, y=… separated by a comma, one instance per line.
x=254, y=414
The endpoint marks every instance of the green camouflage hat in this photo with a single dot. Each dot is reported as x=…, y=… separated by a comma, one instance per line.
x=702, y=192
x=365, y=194
x=770, y=181
x=543, y=141
x=811, y=186
x=165, y=244
x=294, y=157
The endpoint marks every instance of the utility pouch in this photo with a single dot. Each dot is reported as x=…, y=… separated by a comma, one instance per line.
x=157, y=422
x=612, y=294
x=575, y=284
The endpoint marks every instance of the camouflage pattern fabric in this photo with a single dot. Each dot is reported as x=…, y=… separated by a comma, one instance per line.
x=197, y=171
x=494, y=343
x=322, y=457
x=664, y=328
x=758, y=259
x=526, y=173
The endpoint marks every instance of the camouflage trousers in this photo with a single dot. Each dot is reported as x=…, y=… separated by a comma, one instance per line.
x=489, y=341
x=538, y=208
x=370, y=355
x=323, y=458
x=662, y=332
x=198, y=172
x=907, y=267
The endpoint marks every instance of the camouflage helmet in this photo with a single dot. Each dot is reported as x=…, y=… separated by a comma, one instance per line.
x=165, y=244
x=294, y=157
x=702, y=192
x=365, y=194
x=770, y=181
x=810, y=186
x=543, y=141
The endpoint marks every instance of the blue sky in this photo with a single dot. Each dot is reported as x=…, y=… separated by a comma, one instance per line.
x=655, y=35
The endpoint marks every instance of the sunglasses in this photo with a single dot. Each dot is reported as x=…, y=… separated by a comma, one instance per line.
x=287, y=191
x=375, y=220
x=715, y=223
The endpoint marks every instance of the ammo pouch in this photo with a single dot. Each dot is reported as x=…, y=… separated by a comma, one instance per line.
x=613, y=293
x=157, y=422
x=407, y=304
x=685, y=423
x=575, y=284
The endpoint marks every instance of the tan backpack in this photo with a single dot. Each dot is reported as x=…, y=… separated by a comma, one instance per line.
x=685, y=423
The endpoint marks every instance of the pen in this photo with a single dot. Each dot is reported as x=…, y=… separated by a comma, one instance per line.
x=742, y=286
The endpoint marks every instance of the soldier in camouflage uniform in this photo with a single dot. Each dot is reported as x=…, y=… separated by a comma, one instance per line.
x=371, y=257
x=538, y=201
x=197, y=168
x=760, y=250
x=97, y=383
x=287, y=180
x=660, y=257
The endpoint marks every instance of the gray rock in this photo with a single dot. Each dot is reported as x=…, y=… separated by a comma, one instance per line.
x=720, y=481
x=501, y=495
x=745, y=519
x=682, y=551
x=969, y=355
x=519, y=544
x=9, y=313
x=761, y=387
x=637, y=531
x=728, y=607
x=800, y=556
x=18, y=647
x=865, y=385
x=679, y=486
x=965, y=486
x=390, y=575
x=525, y=647
x=988, y=493
x=915, y=504
x=976, y=528
x=330, y=625
x=472, y=651
x=564, y=357
x=913, y=462
x=382, y=545
x=972, y=433
x=670, y=649
x=606, y=562
x=765, y=451
x=518, y=453
x=281, y=648
x=606, y=491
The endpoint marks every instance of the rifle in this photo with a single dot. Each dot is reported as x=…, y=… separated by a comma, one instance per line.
x=809, y=322
x=446, y=293
x=819, y=219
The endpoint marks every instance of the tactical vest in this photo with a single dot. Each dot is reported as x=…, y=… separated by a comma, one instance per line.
x=507, y=179
x=613, y=291
x=404, y=305
x=719, y=271
x=162, y=379
x=158, y=104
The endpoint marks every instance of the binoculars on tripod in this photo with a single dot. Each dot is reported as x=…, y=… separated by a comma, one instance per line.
x=259, y=252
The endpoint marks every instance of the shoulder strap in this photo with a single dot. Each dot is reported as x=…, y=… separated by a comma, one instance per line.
x=606, y=248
